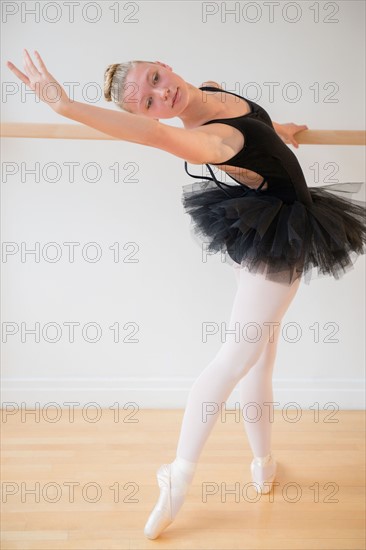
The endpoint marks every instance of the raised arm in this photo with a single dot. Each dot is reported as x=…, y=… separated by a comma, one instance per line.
x=197, y=146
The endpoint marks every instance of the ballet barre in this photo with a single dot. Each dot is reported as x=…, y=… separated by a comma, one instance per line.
x=81, y=131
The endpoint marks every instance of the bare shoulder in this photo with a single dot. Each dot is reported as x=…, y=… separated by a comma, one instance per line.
x=211, y=83
x=230, y=140
x=225, y=132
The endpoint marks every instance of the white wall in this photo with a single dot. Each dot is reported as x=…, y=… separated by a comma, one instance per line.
x=163, y=299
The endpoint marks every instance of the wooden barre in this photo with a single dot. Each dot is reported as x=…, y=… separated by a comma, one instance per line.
x=51, y=131
x=81, y=131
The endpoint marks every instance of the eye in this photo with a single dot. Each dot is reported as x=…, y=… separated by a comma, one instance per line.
x=155, y=79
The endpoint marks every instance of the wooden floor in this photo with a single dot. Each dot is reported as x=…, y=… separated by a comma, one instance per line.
x=319, y=502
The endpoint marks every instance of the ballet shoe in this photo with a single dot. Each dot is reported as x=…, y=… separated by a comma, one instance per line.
x=263, y=474
x=161, y=515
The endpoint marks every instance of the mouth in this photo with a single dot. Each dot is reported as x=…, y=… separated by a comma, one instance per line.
x=175, y=97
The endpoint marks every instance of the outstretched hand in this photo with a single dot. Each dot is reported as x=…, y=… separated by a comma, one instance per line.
x=288, y=130
x=44, y=85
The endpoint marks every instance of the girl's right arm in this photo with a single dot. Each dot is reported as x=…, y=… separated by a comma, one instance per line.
x=197, y=146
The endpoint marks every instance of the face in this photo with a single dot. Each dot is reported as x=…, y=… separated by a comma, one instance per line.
x=153, y=90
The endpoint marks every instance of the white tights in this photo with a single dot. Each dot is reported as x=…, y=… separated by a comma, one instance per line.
x=247, y=357
x=257, y=301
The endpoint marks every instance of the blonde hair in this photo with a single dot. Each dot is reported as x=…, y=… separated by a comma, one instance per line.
x=115, y=77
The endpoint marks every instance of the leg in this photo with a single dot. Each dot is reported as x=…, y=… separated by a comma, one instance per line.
x=257, y=301
x=256, y=388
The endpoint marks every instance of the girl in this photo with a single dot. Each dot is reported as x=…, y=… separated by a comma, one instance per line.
x=273, y=228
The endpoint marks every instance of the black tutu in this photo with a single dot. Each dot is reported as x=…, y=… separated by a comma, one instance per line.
x=283, y=240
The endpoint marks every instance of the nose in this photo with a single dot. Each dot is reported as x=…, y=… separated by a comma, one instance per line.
x=164, y=93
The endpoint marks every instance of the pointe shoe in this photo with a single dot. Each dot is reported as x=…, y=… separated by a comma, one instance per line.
x=263, y=476
x=161, y=515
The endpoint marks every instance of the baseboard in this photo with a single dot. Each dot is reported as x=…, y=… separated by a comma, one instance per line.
x=172, y=393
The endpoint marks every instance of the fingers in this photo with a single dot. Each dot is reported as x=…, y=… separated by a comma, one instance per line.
x=297, y=127
x=29, y=66
x=164, y=65
x=29, y=63
x=40, y=61
x=18, y=73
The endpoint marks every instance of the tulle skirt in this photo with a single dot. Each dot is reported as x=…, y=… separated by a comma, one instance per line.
x=280, y=239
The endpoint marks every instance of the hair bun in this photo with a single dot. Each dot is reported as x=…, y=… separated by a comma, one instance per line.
x=108, y=79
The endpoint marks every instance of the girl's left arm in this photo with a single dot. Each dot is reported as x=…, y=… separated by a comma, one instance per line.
x=288, y=130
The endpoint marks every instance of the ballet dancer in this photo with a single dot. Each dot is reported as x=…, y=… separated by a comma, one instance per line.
x=271, y=226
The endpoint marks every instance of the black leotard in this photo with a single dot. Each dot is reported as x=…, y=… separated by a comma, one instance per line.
x=286, y=229
x=265, y=153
